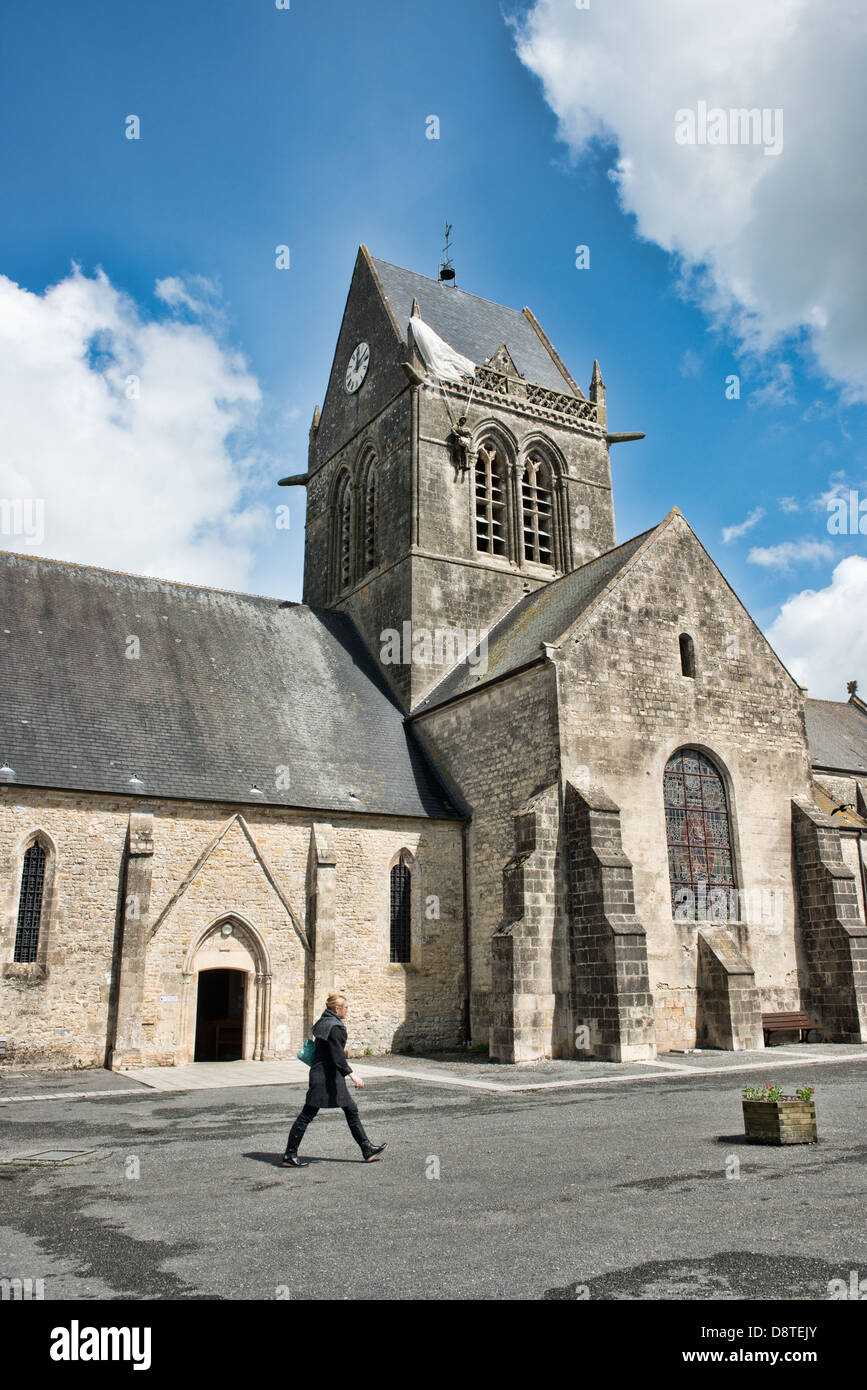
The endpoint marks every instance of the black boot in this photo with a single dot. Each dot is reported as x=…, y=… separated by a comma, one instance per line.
x=296, y=1134
x=291, y=1160
x=371, y=1152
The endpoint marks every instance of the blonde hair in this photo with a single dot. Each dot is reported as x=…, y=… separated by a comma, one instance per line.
x=334, y=1000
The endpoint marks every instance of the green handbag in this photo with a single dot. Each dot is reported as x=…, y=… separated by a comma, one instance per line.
x=307, y=1051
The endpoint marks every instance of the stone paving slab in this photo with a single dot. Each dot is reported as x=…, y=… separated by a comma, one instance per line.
x=207, y=1076
x=447, y=1070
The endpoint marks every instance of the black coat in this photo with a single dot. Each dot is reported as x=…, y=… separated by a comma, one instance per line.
x=327, y=1088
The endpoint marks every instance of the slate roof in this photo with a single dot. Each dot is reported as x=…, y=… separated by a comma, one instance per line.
x=542, y=616
x=475, y=327
x=227, y=689
x=837, y=735
x=845, y=818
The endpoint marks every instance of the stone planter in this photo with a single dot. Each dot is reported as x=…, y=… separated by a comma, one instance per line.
x=785, y=1121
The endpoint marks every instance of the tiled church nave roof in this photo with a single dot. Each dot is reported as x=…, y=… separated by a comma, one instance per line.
x=226, y=689
x=837, y=735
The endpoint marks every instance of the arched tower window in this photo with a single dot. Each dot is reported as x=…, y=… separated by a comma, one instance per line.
x=697, y=827
x=343, y=535
x=30, y=904
x=490, y=501
x=687, y=655
x=537, y=507
x=369, y=504
x=401, y=913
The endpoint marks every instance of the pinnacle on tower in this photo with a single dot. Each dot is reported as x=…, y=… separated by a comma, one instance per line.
x=597, y=394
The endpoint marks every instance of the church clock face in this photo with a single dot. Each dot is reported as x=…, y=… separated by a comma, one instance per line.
x=357, y=369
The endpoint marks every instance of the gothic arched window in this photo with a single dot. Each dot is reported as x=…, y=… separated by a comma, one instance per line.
x=401, y=913
x=490, y=501
x=368, y=539
x=343, y=535
x=537, y=508
x=698, y=830
x=30, y=904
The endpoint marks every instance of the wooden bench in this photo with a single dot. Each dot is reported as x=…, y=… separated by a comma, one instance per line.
x=4, y=1046
x=786, y=1023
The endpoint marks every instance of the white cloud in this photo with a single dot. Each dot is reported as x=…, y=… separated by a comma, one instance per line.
x=838, y=486
x=201, y=297
x=153, y=483
x=785, y=556
x=734, y=533
x=774, y=245
x=821, y=636
x=789, y=504
x=690, y=364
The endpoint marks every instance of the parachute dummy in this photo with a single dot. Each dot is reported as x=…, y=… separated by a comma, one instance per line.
x=446, y=364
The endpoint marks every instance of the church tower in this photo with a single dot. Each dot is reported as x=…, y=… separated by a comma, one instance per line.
x=433, y=505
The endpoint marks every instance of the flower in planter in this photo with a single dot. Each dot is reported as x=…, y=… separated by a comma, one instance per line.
x=773, y=1092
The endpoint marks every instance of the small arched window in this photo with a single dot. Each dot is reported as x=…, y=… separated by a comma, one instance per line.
x=30, y=904
x=369, y=539
x=537, y=506
x=697, y=828
x=687, y=655
x=401, y=913
x=490, y=501
x=343, y=535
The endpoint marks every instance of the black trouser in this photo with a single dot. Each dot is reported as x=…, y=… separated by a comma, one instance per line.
x=298, y=1130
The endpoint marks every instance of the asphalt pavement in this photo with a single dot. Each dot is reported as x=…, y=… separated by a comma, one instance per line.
x=633, y=1186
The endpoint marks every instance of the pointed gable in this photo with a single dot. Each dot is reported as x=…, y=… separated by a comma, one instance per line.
x=550, y=615
x=502, y=362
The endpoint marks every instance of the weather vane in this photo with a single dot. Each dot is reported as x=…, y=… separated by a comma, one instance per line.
x=447, y=270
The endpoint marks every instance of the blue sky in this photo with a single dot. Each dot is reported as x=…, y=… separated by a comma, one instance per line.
x=306, y=127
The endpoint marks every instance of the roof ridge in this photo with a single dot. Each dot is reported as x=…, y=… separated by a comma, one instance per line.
x=150, y=578
x=496, y=303
x=465, y=660
x=841, y=704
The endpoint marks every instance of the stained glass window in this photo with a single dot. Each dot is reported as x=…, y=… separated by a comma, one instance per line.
x=401, y=936
x=490, y=502
x=697, y=826
x=30, y=904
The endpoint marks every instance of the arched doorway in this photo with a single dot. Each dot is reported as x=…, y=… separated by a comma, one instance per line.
x=220, y=1016
x=238, y=1004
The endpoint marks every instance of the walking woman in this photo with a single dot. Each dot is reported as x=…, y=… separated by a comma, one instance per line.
x=327, y=1090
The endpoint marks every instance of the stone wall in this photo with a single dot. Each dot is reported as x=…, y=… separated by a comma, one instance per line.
x=498, y=748
x=729, y=1013
x=610, y=982
x=626, y=708
x=834, y=935
x=209, y=867
x=531, y=1011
